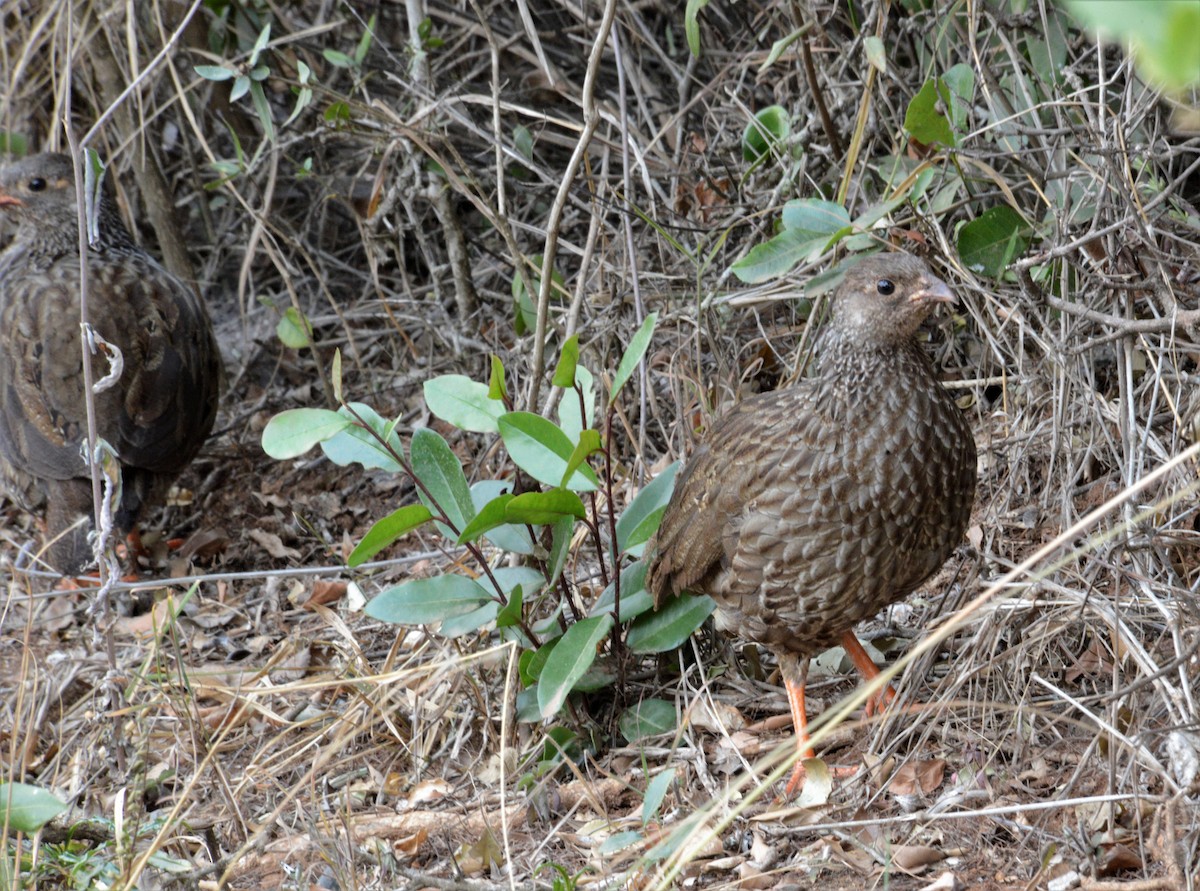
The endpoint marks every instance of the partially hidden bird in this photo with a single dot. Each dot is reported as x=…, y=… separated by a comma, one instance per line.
x=161, y=408
x=812, y=507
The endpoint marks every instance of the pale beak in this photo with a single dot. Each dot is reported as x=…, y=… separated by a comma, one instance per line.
x=933, y=290
x=10, y=199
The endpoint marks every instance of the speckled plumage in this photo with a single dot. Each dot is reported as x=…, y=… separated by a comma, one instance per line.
x=163, y=407
x=810, y=508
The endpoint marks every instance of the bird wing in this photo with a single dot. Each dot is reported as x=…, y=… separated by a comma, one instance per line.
x=738, y=461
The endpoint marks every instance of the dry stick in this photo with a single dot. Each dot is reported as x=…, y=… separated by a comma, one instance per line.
x=864, y=108
x=814, y=87
x=631, y=253
x=836, y=715
x=591, y=121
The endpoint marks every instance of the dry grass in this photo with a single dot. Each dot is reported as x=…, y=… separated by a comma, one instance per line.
x=246, y=735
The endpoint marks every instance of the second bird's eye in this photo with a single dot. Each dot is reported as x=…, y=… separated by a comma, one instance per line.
x=37, y=184
x=885, y=287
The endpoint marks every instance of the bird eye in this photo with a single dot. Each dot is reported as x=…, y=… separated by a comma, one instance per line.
x=37, y=184
x=885, y=287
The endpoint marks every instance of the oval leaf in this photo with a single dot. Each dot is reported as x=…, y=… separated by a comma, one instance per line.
x=653, y=497
x=26, y=808
x=386, y=531
x=650, y=717
x=542, y=450
x=507, y=537
x=638, y=344
x=670, y=626
x=544, y=508
x=465, y=403
x=421, y=601
x=295, y=431
x=439, y=471
x=569, y=661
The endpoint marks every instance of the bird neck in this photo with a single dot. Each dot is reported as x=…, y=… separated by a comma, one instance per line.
x=857, y=371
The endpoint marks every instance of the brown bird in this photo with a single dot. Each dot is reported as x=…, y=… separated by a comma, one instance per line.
x=163, y=406
x=810, y=508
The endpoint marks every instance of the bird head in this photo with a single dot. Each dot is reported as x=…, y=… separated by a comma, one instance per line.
x=884, y=298
x=40, y=191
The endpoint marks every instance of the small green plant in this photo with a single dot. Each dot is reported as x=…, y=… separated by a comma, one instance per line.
x=533, y=536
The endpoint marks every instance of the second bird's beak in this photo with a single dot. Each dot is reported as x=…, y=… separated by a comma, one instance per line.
x=933, y=290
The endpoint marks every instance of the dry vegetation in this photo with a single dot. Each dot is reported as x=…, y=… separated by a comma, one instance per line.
x=261, y=732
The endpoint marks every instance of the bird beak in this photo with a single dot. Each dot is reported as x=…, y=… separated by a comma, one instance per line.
x=933, y=290
x=10, y=199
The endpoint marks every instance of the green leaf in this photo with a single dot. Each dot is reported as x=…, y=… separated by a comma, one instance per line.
x=1163, y=36
x=960, y=80
x=635, y=599
x=263, y=109
x=989, y=243
x=510, y=615
x=560, y=546
x=460, y=401
x=650, y=717
x=669, y=626
x=526, y=309
x=26, y=808
x=544, y=508
x=356, y=445
x=241, y=86
x=386, y=531
x=656, y=791
x=489, y=517
x=638, y=344
x=421, y=601
x=927, y=118
x=564, y=373
x=589, y=444
x=542, y=450
x=214, y=72
x=691, y=24
x=810, y=227
x=338, y=58
x=814, y=218
x=570, y=660
x=497, y=388
x=457, y=626
x=523, y=142
x=653, y=497
x=507, y=537
x=764, y=134
x=293, y=432
x=294, y=330
x=570, y=407
x=436, y=466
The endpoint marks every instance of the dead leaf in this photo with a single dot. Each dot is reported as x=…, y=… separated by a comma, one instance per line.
x=715, y=717
x=913, y=858
x=325, y=593
x=410, y=844
x=918, y=776
x=1118, y=858
x=818, y=784
x=480, y=857
x=750, y=876
x=273, y=545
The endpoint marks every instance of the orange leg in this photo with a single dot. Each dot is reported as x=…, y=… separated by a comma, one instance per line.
x=876, y=704
x=795, y=674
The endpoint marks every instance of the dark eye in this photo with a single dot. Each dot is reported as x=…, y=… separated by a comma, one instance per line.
x=885, y=287
x=37, y=184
